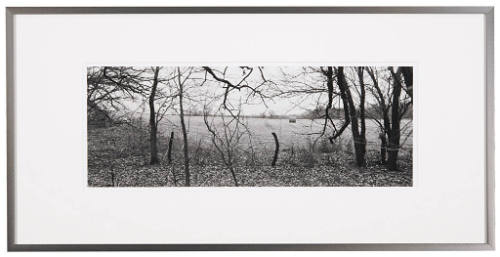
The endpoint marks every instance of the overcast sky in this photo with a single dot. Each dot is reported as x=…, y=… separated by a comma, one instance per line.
x=271, y=79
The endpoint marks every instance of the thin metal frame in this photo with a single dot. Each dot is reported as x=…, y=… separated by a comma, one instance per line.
x=488, y=12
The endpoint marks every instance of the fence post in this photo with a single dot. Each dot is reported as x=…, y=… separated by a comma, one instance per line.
x=276, y=149
x=169, y=153
x=113, y=178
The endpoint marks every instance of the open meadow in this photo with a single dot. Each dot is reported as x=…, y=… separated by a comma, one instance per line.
x=120, y=155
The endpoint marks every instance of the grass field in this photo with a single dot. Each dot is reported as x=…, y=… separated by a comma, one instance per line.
x=300, y=133
x=118, y=156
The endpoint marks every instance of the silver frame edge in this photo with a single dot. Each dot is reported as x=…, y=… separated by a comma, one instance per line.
x=488, y=11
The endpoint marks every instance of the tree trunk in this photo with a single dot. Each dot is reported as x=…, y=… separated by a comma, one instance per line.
x=113, y=179
x=360, y=151
x=383, y=148
x=184, y=132
x=276, y=149
x=392, y=161
x=394, y=136
x=169, y=152
x=408, y=77
x=357, y=135
x=329, y=82
x=231, y=169
x=153, y=131
x=361, y=154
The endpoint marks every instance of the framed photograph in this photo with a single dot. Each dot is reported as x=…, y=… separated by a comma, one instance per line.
x=250, y=128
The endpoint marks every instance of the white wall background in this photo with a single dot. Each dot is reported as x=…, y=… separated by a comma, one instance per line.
x=158, y=3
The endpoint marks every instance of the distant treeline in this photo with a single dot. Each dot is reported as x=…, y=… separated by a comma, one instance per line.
x=372, y=112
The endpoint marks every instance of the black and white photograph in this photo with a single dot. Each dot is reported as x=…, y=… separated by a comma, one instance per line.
x=250, y=126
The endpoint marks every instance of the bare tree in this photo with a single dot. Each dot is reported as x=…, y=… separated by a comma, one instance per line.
x=312, y=85
x=108, y=86
x=357, y=120
x=180, y=83
x=408, y=80
x=161, y=101
x=327, y=84
x=226, y=137
x=169, y=151
x=153, y=141
x=392, y=107
x=382, y=109
x=394, y=136
x=251, y=85
x=343, y=87
x=242, y=83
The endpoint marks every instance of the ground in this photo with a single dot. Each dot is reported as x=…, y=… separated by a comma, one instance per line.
x=118, y=157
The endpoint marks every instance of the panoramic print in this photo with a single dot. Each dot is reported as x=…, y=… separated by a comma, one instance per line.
x=250, y=126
